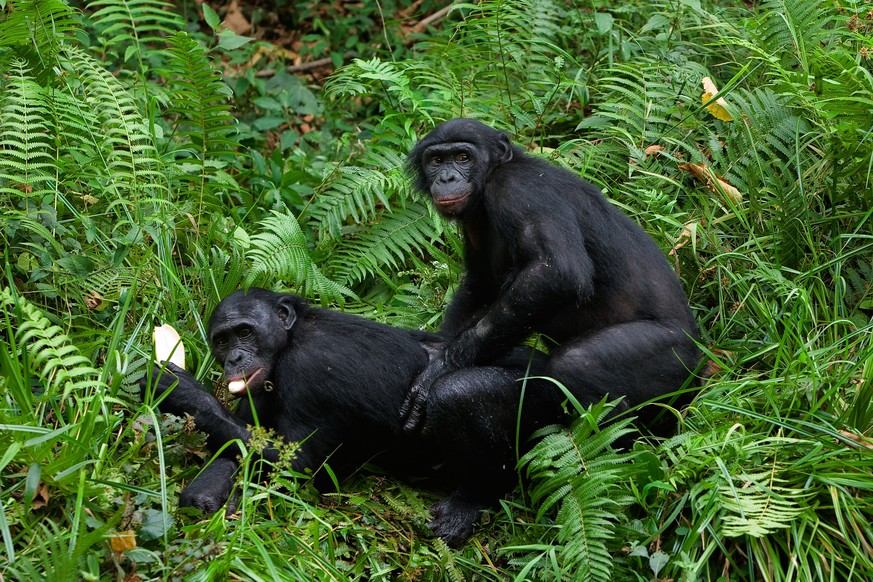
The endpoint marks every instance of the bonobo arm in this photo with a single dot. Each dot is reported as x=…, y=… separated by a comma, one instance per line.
x=182, y=394
x=551, y=269
x=185, y=395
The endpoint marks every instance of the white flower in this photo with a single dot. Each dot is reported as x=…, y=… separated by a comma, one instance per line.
x=169, y=346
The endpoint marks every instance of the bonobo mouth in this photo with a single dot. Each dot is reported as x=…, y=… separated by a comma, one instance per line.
x=239, y=386
x=452, y=203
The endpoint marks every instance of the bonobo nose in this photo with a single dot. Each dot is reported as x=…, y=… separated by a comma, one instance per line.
x=446, y=177
x=235, y=357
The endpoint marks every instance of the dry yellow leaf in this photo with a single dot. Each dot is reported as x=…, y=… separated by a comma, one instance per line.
x=714, y=183
x=123, y=540
x=717, y=107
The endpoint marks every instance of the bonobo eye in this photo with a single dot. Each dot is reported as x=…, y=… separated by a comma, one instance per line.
x=220, y=342
x=245, y=332
x=462, y=157
x=436, y=161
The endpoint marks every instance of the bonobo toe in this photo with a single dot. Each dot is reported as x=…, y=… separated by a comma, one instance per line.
x=453, y=518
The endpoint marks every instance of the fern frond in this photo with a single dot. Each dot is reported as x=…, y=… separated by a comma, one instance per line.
x=280, y=250
x=133, y=23
x=386, y=73
x=26, y=148
x=357, y=191
x=388, y=242
x=128, y=152
x=63, y=367
x=200, y=100
x=576, y=468
x=798, y=24
x=639, y=102
x=754, y=156
x=524, y=30
x=36, y=30
x=758, y=505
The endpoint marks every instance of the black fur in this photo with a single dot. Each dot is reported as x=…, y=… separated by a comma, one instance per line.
x=546, y=252
x=337, y=382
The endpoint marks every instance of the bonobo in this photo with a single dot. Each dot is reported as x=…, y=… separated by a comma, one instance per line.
x=334, y=382
x=545, y=252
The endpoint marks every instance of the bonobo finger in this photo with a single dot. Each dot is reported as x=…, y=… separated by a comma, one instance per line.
x=412, y=409
x=173, y=368
x=406, y=406
x=415, y=418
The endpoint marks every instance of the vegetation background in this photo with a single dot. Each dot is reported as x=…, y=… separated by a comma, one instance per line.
x=152, y=160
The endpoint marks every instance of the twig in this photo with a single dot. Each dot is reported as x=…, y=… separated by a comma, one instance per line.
x=438, y=15
x=317, y=64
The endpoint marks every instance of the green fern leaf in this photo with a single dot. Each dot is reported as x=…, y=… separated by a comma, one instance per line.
x=280, y=250
x=129, y=157
x=199, y=98
x=757, y=505
x=798, y=24
x=576, y=469
x=356, y=192
x=131, y=24
x=387, y=243
x=26, y=150
x=36, y=30
x=63, y=367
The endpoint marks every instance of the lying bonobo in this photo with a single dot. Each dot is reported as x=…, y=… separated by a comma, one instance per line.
x=338, y=382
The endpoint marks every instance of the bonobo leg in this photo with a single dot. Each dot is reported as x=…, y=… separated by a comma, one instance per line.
x=640, y=360
x=472, y=415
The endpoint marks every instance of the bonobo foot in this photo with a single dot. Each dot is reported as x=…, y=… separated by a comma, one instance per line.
x=453, y=518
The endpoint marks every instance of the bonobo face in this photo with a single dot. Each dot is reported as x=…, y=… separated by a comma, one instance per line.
x=449, y=168
x=454, y=162
x=247, y=332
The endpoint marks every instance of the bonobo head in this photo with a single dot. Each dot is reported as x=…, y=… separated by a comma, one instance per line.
x=248, y=331
x=454, y=161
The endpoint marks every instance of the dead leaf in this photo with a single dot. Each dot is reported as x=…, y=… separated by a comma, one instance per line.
x=93, y=300
x=123, y=540
x=717, y=107
x=689, y=232
x=713, y=182
x=712, y=367
x=40, y=497
x=235, y=21
x=654, y=150
x=861, y=440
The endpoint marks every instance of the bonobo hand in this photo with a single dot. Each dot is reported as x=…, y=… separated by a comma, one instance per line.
x=163, y=378
x=412, y=411
x=455, y=356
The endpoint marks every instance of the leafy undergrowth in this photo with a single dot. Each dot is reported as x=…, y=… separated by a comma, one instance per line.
x=151, y=162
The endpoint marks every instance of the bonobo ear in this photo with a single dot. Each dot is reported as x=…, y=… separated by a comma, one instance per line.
x=504, y=147
x=286, y=312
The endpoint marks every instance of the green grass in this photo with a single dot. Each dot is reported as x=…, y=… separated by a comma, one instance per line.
x=145, y=173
